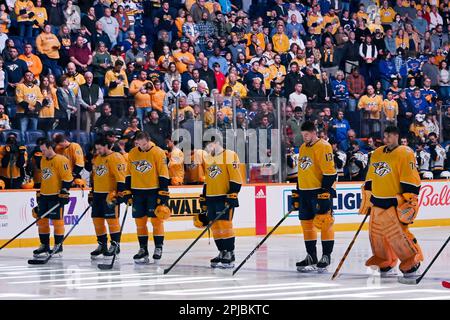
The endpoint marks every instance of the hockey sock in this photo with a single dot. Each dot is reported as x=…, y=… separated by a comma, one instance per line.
x=100, y=229
x=58, y=226
x=228, y=244
x=327, y=247
x=311, y=248
x=159, y=241
x=114, y=229
x=102, y=239
x=44, y=231
x=142, y=231
x=45, y=238
x=143, y=241
x=219, y=244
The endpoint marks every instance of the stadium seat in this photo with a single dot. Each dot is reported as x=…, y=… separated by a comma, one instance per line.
x=84, y=137
x=6, y=132
x=52, y=132
x=32, y=135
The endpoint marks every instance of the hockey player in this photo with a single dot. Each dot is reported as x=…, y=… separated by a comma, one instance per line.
x=340, y=159
x=176, y=163
x=73, y=152
x=55, y=183
x=194, y=171
x=438, y=155
x=313, y=197
x=423, y=161
x=391, y=193
x=108, y=186
x=223, y=182
x=148, y=179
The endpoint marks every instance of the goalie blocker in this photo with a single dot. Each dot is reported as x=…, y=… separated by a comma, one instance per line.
x=391, y=191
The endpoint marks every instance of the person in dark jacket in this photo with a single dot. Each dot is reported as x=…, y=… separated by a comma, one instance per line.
x=292, y=78
x=158, y=128
x=311, y=85
x=326, y=90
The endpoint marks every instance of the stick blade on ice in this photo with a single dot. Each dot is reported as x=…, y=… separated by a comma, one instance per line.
x=410, y=281
x=37, y=261
x=102, y=266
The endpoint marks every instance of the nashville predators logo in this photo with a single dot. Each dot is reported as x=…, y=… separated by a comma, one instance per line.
x=214, y=171
x=305, y=163
x=101, y=170
x=46, y=173
x=142, y=166
x=381, y=168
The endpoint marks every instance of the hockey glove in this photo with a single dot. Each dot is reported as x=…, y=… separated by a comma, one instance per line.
x=163, y=197
x=232, y=200
x=125, y=197
x=111, y=199
x=63, y=197
x=22, y=149
x=203, y=206
x=295, y=200
x=323, y=202
x=201, y=220
x=408, y=207
x=365, y=202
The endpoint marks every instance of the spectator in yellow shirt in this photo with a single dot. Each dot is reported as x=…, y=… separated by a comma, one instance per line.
x=157, y=96
x=140, y=88
x=390, y=109
x=183, y=58
x=48, y=45
x=24, y=12
x=280, y=40
x=387, y=14
x=33, y=62
x=372, y=104
x=237, y=87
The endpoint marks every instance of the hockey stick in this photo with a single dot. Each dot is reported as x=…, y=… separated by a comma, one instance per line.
x=44, y=261
x=34, y=222
x=263, y=240
x=349, y=247
x=417, y=280
x=166, y=271
x=103, y=266
x=446, y=284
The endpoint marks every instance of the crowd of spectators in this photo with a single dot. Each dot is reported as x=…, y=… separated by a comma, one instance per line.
x=120, y=66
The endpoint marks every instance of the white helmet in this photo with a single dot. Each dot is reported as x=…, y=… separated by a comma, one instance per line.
x=445, y=174
x=420, y=117
x=427, y=175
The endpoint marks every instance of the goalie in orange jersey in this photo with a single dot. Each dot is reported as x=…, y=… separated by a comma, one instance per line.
x=391, y=193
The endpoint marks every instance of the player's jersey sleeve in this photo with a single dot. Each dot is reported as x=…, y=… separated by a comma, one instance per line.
x=161, y=164
x=118, y=168
x=78, y=156
x=233, y=166
x=327, y=166
x=409, y=176
x=64, y=170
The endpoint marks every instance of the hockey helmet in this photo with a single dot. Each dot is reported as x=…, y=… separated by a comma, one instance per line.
x=420, y=117
x=445, y=174
x=163, y=212
x=427, y=175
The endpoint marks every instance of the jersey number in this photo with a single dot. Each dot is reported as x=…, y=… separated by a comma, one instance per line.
x=329, y=157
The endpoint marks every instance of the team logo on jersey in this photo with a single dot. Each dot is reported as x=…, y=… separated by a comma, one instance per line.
x=381, y=168
x=101, y=170
x=46, y=173
x=142, y=166
x=214, y=171
x=305, y=163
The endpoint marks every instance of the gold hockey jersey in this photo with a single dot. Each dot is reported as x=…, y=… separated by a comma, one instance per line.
x=107, y=171
x=54, y=172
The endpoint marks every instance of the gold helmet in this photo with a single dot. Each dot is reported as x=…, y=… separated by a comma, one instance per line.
x=163, y=212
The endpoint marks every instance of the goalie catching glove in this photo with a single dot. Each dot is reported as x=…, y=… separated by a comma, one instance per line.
x=407, y=208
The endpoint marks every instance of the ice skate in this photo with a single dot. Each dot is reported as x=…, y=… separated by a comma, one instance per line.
x=157, y=254
x=227, y=261
x=100, y=252
x=57, y=251
x=42, y=252
x=141, y=257
x=114, y=249
x=309, y=264
x=322, y=265
x=215, y=262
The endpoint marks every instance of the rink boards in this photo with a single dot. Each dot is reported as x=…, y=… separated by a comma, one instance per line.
x=261, y=207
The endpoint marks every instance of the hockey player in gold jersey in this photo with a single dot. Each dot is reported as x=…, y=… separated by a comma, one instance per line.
x=313, y=197
x=148, y=179
x=56, y=179
x=73, y=152
x=222, y=184
x=108, y=187
x=391, y=193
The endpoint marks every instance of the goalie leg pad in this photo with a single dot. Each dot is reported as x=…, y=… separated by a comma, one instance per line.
x=43, y=226
x=158, y=226
x=141, y=226
x=410, y=262
x=309, y=231
x=383, y=255
x=401, y=241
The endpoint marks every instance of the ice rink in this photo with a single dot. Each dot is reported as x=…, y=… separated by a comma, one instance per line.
x=270, y=274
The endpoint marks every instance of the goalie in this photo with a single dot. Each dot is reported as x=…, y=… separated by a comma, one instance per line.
x=391, y=193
